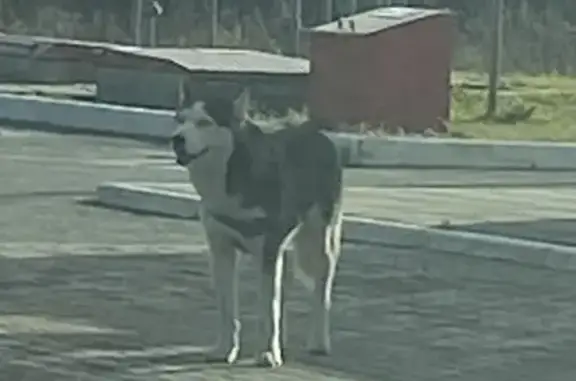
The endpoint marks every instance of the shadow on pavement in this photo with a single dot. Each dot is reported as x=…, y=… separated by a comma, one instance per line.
x=137, y=317
x=113, y=316
x=557, y=231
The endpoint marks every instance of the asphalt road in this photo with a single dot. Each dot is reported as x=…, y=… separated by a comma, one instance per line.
x=94, y=294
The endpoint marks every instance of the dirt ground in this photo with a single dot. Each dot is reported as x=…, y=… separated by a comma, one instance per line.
x=93, y=294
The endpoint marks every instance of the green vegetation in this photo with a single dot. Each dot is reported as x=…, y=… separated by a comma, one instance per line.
x=539, y=35
x=552, y=98
x=537, y=108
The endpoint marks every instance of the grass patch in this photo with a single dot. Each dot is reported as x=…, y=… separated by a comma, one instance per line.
x=553, y=98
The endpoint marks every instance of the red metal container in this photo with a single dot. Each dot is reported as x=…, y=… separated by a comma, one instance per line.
x=389, y=65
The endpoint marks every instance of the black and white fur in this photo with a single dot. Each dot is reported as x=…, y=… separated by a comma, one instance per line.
x=260, y=192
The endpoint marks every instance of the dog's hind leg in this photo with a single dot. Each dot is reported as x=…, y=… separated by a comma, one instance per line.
x=273, y=274
x=317, y=247
x=224, y=258
x=287, y=283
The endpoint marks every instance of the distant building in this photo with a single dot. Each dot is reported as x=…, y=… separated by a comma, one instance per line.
x=388, y=65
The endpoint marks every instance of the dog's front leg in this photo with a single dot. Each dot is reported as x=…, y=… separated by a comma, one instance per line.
x=271, y=303
x=224, y=277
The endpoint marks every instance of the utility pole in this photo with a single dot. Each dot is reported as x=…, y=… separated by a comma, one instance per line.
x=496, y=57
x=139, y=10
x=214, y=11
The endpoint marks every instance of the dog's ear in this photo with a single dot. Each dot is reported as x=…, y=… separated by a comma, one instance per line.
x=181, y=101
x=180, y=94
x=183, y=97
x=242, y=105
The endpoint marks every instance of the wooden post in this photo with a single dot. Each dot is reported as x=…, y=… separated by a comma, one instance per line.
x=496, y=57
x=383, y=3
x=214, y=12
x=3, y=20
x=139, y=10
x=153, y=30
x=353, y=6
x=328, y=10
x=297, y=25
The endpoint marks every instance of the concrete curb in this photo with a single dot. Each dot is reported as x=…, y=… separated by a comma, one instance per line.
x=140, y=198
x=462, y=153
x=86, y=116
x=356, y=150
x=144, y=199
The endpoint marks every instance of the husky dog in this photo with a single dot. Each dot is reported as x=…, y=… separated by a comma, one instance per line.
x=260, y=192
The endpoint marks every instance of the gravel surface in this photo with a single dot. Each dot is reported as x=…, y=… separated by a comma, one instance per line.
x=94, y=294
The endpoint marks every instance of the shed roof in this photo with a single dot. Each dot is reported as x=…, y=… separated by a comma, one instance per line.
x=191, y=59
x=379, y=19
x=223, y=60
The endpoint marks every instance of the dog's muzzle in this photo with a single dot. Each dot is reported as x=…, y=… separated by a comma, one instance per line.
x=183, y=157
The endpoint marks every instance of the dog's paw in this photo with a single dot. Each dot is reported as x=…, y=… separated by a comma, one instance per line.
x=269, y=360
x=230, y=357
x=217, y=355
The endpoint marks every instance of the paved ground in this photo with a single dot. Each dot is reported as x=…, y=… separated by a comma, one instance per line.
x=93, y=294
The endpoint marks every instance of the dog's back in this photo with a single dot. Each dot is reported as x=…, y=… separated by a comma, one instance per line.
x=295, y=168
x=310, y=163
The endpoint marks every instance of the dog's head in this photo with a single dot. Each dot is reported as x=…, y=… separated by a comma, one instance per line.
x=205, y=127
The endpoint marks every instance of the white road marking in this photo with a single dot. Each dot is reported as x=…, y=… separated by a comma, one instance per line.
x=51, y=249
x=160, y=163
x=18, y=324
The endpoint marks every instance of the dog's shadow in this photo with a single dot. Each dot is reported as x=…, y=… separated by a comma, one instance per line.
x=194, y=359
x=125, y=315
x=193, y=365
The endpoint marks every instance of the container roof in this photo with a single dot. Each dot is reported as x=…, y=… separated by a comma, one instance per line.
x=378, y=19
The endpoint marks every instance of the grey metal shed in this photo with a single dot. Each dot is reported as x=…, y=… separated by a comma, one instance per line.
x=149, y=77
